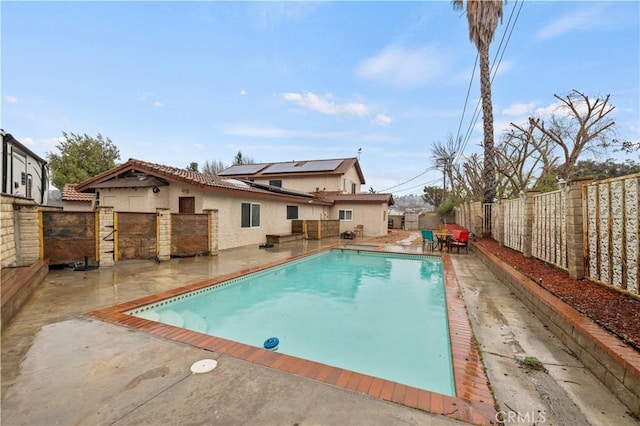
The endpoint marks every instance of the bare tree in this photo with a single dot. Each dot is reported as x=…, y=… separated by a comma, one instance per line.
x=443, y=155
x=581, y=124
x=468, y=177
x=522, y=153
x=213, y=167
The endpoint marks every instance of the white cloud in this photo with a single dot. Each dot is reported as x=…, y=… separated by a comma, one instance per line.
x=243, y=92
x=158, y=104
x=404, y=67
x=326, y=104
x=519, y=109
x=11, y=99
x=382, y=120
x=572, y=21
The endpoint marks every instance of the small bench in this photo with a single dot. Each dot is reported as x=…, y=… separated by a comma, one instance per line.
x=283, y=238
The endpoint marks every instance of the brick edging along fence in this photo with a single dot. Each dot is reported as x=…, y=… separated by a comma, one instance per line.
x=614, y=363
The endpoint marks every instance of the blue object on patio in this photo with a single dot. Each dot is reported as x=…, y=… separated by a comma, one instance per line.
x=427, y=237
x=271, y=343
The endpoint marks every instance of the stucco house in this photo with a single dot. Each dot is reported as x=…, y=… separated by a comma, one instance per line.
x=24, y=174
x=338, y=181
x=248, y=210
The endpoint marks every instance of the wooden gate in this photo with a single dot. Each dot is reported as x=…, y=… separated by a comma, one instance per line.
x=189, y=234
x=135, y=236
x=68, y=237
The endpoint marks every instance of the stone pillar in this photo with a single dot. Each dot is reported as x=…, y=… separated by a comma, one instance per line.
x=574, y=221
x=527, y=232
x=213, y=231
x=163, y=234
x=29, y=241
x=7, y=232
x=106, y=236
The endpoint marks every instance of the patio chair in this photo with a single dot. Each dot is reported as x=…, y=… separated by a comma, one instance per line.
x=461, y=241
x=359, y=231
x=427, y=237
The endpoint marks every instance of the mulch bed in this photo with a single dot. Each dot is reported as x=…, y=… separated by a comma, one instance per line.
x=615, y=311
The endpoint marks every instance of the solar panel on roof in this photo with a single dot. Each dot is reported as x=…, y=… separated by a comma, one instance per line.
x=242, y=169
x=303, y=166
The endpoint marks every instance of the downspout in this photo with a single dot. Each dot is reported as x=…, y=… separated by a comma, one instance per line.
x=4, y=164
x=44, y=180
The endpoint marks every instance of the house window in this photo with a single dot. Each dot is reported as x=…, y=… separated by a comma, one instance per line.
x=353, y=188
x=250, y=215
x=384, y=216
x=345, y=214
x=292, y=212
x=23, y=178
x=276, y=182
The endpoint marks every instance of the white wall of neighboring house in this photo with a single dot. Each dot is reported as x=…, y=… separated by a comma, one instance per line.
x=22, y=172
x=77, y=206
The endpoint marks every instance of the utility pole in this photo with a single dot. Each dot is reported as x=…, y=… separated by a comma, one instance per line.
x=446, y=162
x=443, y=162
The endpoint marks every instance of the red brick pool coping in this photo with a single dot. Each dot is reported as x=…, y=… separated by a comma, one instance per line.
x=474, y=402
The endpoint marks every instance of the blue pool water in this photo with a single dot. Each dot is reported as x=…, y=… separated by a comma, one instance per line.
x=378, y=314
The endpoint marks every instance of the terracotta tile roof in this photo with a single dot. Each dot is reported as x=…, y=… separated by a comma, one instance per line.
x=202, y=180
x=69, y=193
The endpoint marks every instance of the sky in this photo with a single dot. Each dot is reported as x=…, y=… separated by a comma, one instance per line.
x=194, y=81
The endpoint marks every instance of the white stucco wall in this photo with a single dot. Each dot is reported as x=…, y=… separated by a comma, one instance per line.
x=273, y=219
x=77, y=206
x=308, y=184
x=372, y=216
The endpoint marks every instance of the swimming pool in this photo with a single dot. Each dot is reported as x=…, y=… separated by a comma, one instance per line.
x=378, y=314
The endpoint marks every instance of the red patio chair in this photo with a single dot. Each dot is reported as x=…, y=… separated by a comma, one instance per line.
x=461, y=241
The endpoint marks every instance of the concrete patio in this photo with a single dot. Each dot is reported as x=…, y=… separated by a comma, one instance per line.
x=61, y=367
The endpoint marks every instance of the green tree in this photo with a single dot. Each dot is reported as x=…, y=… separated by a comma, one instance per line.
x=81, y=157
x=602, y=169
x=432, y=195
x=193, y=166
x=482, y=16
x=240, y=159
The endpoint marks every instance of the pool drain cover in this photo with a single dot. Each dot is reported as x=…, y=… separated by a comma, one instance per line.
x=204, y=366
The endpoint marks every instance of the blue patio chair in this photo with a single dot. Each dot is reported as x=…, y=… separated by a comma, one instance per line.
x=427, y=238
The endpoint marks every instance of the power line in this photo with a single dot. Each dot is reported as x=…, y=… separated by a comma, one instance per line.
x=409, y=180
x=476, y=115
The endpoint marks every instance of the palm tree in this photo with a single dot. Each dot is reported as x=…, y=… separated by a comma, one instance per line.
x=483, y=16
